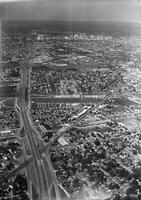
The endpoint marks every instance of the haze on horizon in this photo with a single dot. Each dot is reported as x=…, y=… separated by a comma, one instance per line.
x=75, y=10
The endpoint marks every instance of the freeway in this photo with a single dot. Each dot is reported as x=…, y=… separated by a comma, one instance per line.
x=29, y=160
x=27, y=128
x=47, y=185
x=42, y=185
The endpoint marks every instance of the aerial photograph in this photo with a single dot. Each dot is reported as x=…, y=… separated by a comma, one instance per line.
x=70, y=99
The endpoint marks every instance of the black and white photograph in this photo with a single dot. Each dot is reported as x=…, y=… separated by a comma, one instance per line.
x=70, y=99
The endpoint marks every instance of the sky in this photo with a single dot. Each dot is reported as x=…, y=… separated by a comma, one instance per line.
x=75, y=10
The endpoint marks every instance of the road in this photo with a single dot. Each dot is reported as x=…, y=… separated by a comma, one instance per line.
x=43, y=99
x=28, y=130
x=48, y=187
x=29, y=160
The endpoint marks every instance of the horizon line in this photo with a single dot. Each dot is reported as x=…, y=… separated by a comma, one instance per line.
x=88, y=21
